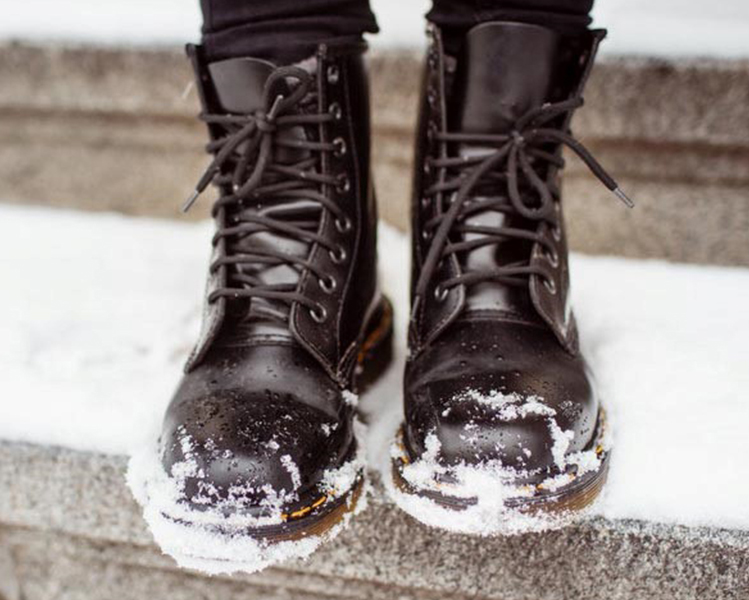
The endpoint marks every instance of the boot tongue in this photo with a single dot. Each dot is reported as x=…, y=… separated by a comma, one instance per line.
x=504, y=70
x=239, y=83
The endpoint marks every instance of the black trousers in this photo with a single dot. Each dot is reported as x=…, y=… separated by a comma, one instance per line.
x=287, y=30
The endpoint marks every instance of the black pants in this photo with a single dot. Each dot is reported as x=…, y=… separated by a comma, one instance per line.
x=288, y=29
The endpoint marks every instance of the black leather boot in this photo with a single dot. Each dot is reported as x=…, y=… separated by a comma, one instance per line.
x=495, y=384
x=260, y=430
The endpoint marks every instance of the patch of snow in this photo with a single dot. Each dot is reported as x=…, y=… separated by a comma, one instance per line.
x=337, y=481
x=350, y=398
x=490, y=483
x=96, y=362
x=215, y=540
x=293, y=470
x=509, y=407
x=561, y=441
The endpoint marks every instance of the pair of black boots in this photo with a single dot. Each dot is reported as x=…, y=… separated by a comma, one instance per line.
x=295, y=323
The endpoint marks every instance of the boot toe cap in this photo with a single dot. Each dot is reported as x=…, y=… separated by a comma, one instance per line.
x=250, y=450
x=526, y=410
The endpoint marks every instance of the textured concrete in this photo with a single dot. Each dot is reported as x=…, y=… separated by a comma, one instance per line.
x=9, y=587
x=73, y=531
x=109, y=129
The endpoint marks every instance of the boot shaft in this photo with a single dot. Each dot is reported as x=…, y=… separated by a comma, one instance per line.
x=479, y=103
x=336, y=259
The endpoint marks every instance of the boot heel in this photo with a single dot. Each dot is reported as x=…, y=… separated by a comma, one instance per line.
x=376, y=352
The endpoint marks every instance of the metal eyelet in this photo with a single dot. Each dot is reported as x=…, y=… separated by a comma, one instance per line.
x=344, y=184
x=336, y=111
x=553, y=258
x=333, y=73
x=426, y=235
x=426, y=202
x=440, y=293
x=550, y=285
x=319, y=313
x=556, y=233
x=339, y=149
x=338, y=255
x=343, y=225
x=328, y=284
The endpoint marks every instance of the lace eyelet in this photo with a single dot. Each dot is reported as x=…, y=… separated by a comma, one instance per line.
x=440, y=293
x=343, y=225
x=333, y=74
x=338, y=255
x=426, y=235
x=556, y=233
x=336, y=111
x=339, y=147
x=344, y=184
x=553, y=258
x=328, y=284
x=426, y=202
x=551, y=286
x=319, y=313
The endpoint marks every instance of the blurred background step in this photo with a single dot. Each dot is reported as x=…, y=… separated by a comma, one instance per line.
x=114, y=128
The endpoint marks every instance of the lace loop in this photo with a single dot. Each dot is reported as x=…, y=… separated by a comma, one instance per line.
x=264, y=195
x=514, y=161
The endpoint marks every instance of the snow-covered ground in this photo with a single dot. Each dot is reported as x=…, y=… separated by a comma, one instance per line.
x=98, y=312
x=653, y=27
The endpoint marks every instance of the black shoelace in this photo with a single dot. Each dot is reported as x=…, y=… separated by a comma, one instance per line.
x=244, y=164
x=513, y=164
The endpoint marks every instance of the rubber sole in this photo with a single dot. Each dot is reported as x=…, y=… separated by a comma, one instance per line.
x=572, y=497
x=318, y=514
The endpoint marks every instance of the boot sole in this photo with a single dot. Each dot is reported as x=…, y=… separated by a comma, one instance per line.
x=570, y=499
x=318, y=515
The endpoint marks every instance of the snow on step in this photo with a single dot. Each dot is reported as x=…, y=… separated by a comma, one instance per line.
x=98, y=312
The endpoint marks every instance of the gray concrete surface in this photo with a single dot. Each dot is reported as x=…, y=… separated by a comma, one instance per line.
x=73, y=530
x=9, y=586
x=112, y=129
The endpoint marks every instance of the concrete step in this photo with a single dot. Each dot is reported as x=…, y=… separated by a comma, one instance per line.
x=112, y=129
x=73, y=531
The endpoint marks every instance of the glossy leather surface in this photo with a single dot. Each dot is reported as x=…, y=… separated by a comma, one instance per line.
x=493, y=337
x=247, y=409
x=342, y=83
x=257, y=393
x=478, y=357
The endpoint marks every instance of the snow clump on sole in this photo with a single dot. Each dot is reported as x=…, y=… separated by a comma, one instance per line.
x=496, y=498
x=216, y=540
